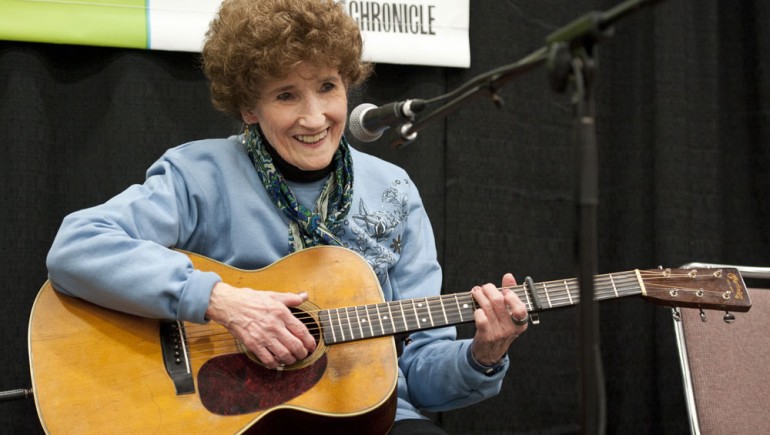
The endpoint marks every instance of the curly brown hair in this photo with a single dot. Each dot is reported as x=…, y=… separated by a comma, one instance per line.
x=253, y=41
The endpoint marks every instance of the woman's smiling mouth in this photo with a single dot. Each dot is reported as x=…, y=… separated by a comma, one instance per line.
x=311, y=139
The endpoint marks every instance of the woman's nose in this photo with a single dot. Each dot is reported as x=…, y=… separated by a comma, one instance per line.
x=312, y=113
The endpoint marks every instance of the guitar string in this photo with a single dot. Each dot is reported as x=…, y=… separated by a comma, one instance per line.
x=200, y=345
x=517, y=289
x=619, y=283
x=452, y=317
x=554, y=295
x=620, y=287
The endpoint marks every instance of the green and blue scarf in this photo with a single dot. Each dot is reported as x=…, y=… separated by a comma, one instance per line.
x=307, y=228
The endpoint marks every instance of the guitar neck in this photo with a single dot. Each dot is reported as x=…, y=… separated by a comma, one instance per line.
x=389, y=318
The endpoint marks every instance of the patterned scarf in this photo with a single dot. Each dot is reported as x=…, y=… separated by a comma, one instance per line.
x=307, y=228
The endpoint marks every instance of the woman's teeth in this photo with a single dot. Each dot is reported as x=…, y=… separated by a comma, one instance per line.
x=312, y=139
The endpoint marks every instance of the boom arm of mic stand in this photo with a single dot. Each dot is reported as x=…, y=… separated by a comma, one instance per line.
x=484, y=84
x=593, y=26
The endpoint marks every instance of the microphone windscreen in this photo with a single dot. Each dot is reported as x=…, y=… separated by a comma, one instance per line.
x=356, y=124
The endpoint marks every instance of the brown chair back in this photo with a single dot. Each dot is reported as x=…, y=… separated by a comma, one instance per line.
x=727, y=367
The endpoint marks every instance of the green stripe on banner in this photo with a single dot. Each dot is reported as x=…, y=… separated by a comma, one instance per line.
x=115, y=23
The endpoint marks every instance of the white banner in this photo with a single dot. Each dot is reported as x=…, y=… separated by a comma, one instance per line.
x=179, y=25
x=418, y=32
x=415, y=32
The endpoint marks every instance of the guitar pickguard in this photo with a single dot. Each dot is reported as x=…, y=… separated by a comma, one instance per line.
x=234, y=384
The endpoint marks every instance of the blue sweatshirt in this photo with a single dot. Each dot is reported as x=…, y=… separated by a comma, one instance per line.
x=205, y=197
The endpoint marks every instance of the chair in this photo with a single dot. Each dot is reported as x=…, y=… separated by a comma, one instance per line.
x=726, y=367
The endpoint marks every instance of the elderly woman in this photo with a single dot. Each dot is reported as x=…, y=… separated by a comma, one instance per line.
x=290, y=181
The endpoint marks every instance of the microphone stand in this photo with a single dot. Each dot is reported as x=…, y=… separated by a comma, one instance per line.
x=572, y=62
x=570, y=54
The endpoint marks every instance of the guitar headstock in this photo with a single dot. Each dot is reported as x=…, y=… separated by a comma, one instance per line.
x=714, y=289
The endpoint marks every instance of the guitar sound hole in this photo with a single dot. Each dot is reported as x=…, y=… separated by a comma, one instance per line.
x=303, y=313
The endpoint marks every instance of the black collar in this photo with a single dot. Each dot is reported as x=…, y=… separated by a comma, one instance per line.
x=293, y=173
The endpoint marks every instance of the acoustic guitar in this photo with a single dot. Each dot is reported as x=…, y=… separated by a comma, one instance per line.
x=100, y=371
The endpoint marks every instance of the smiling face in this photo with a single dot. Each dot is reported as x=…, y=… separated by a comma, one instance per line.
x=303, y=116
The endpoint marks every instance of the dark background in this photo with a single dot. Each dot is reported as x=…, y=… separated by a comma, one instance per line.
x=684, y=146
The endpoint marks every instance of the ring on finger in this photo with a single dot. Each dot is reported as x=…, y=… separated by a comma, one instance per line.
x=520, y=322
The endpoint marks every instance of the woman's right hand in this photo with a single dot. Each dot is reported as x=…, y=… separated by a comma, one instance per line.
x=262, y=321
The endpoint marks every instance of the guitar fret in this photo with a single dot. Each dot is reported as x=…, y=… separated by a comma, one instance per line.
x=459, y=310
x=613, y=285
x=350, y=325
x=358, y=320
x=435, y=315
x=443, y=310
x=418, y=321
x=403, y=315
x=331, y=325
x=569, y=295
x=369, y=321
x=324, y=318
x=339, y=322
x=390, y=313
x=547, y=296
x=379, y=318
x=526, y=296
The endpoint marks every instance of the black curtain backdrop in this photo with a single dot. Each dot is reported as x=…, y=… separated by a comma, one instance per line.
x=682, y=109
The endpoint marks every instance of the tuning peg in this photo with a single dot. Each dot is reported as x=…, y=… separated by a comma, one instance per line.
x=702, y=316
x=729, y=317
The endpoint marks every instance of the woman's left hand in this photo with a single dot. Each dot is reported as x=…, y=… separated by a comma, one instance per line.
x=495, y=329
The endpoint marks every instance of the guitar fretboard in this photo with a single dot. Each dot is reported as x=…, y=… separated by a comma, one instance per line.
x=388, y=318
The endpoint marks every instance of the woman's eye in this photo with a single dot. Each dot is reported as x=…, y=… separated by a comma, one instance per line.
x=285, y=96
x=328, y=86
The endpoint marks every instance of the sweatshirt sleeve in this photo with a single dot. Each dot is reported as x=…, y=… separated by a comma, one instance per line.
x=117, y=254
x=439, y=375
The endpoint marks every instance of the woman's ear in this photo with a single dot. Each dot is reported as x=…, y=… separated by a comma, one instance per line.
x=249, y=118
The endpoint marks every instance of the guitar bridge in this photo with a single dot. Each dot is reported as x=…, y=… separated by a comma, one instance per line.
x=173, y=344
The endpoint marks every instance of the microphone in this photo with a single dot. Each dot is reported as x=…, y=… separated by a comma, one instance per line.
x=368, y=122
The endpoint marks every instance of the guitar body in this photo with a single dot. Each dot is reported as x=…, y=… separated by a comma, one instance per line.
x=95, y=370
